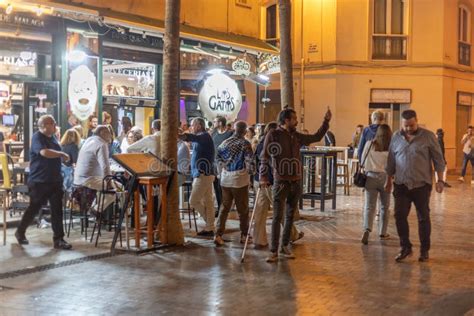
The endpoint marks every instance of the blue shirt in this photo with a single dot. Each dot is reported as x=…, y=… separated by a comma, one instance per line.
x=202, y=159
x=42, y=169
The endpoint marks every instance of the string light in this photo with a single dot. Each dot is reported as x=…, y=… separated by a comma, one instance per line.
x=39, y=11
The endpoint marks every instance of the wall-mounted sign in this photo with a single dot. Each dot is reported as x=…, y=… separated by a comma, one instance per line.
x=241, y=67
x=82, y=91
x=18, y=63
x=390, y=96
x=23, y=20
x=131, y=72
x=313, y=48
x=134, y=39
x=243, y=3
x=465, y=98
x=220, y=96
x=270, y=65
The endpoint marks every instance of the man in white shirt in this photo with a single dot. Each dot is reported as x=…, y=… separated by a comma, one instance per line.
x=468, y=150
x=148, y=143
x=93, y=162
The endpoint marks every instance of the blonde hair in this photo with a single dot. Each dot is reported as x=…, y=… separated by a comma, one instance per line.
x=71, y=136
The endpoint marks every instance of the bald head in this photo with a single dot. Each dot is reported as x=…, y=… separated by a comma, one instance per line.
x=47, y=125
x=240, y=128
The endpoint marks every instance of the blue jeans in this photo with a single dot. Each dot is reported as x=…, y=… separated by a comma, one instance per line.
x=467, y=158
x=374, y=187
x=286, y=195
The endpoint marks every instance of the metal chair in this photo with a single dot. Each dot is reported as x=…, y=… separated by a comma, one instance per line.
x=84, y=197
x=187, y=186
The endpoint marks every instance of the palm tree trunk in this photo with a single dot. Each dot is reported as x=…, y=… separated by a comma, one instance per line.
x=286, y=59
x=169, y=116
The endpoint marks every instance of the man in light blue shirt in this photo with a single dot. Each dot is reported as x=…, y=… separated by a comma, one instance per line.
x=412, y=153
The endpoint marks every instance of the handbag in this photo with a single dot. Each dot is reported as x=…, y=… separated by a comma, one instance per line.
x=360, y=178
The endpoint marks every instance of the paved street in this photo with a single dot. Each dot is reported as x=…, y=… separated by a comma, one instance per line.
x=332, y=274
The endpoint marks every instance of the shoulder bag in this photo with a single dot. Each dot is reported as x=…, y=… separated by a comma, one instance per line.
x=360, y=178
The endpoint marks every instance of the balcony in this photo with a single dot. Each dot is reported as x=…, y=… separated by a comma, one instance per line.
x=464, y=54
x=389, y=47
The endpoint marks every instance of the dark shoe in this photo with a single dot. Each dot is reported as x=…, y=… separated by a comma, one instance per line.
x=206, y=233
x=21, y=238
x=244, y=237
x=384, y=237
x=447, y=185
x=365, y=237
x=405, y=252
x=424, y=256
x=62, y=244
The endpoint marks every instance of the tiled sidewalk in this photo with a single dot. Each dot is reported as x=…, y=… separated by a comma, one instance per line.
x=333, y=273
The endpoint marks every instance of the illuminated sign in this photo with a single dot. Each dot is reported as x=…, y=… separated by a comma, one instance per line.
x=241, y=67
x=270, y=65
x=18, y=63
x=21, y=20
x=82, y=91
x=220, y=96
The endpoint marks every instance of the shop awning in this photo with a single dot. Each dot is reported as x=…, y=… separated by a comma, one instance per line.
x=250, y=44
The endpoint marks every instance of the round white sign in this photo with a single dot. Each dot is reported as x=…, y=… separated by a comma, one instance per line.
x=82, y=91
x=220, y=96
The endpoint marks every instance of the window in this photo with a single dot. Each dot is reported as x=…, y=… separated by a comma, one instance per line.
x=271, y=25
x=389, y=39
x=464, y=38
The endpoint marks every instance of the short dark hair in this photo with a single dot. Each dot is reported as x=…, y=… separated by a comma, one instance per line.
x=360, y=125
x=285, y=114
x=222, y=120
x=240, y=128
x=408, y=114
x=470, y=126
x=156, y=124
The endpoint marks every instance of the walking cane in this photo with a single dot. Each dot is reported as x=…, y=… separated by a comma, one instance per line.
x=250, y=226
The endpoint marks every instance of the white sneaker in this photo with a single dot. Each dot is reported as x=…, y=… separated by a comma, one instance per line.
x=461, y=179
x=286, y=252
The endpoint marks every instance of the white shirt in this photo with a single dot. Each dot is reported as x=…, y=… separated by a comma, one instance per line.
x=376, y=161
x=468, y=144
x=93, y=160
x=235, y=179
x=147, y=143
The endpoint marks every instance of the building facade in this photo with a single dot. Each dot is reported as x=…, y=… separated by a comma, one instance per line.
x=356, y=56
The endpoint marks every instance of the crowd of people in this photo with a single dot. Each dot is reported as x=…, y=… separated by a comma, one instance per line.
x=226, y=161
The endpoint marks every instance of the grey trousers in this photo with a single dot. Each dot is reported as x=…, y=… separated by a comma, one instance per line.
x=286, y=195
x=374, y=187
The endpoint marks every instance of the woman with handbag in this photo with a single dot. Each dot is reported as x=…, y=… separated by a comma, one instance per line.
x=375, y=157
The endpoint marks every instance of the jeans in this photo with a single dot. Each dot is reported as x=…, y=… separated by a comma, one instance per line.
x=263, y=204
x=286, y=195
x=374, y=187
x=467, y=158
x=403, y=199
x=201, y=199
x=40, y=193
x=241, y=198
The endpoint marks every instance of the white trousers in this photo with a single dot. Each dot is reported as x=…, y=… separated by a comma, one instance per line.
x=201, y=199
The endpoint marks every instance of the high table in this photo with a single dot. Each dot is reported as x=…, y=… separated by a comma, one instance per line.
x=149, y=182
x=328, y=157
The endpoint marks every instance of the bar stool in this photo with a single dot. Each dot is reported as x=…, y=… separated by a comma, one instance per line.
x=101, y=214
x=84, y=197
x=187, y=186
x=344, y=175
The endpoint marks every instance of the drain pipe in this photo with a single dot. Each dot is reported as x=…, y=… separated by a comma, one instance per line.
x=302, y=70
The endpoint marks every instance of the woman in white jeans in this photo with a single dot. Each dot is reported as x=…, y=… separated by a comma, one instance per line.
x=374, y=159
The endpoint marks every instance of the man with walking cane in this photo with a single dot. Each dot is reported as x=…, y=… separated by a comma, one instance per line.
x=282, y=149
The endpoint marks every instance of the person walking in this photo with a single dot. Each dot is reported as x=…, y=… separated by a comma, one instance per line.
x=219, y=135
x=413, y=150
x=468, y=150
x=45, y=182
x=202, y=171
x=374, y=161
x=282, y=149
x=440, y=138
x=368, y=133
x=234, y=160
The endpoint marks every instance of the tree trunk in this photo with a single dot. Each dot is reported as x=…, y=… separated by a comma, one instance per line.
x=286, y=59
x=169, y=116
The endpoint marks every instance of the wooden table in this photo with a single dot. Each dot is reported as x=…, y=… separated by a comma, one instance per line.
x=149, y=182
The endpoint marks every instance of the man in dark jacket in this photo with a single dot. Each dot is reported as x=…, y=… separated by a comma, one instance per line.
x=369, y=132
x=282, y=148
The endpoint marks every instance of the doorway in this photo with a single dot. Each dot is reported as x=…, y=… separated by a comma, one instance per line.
x=392, y=113
x=463, y=118
x=271, y=108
